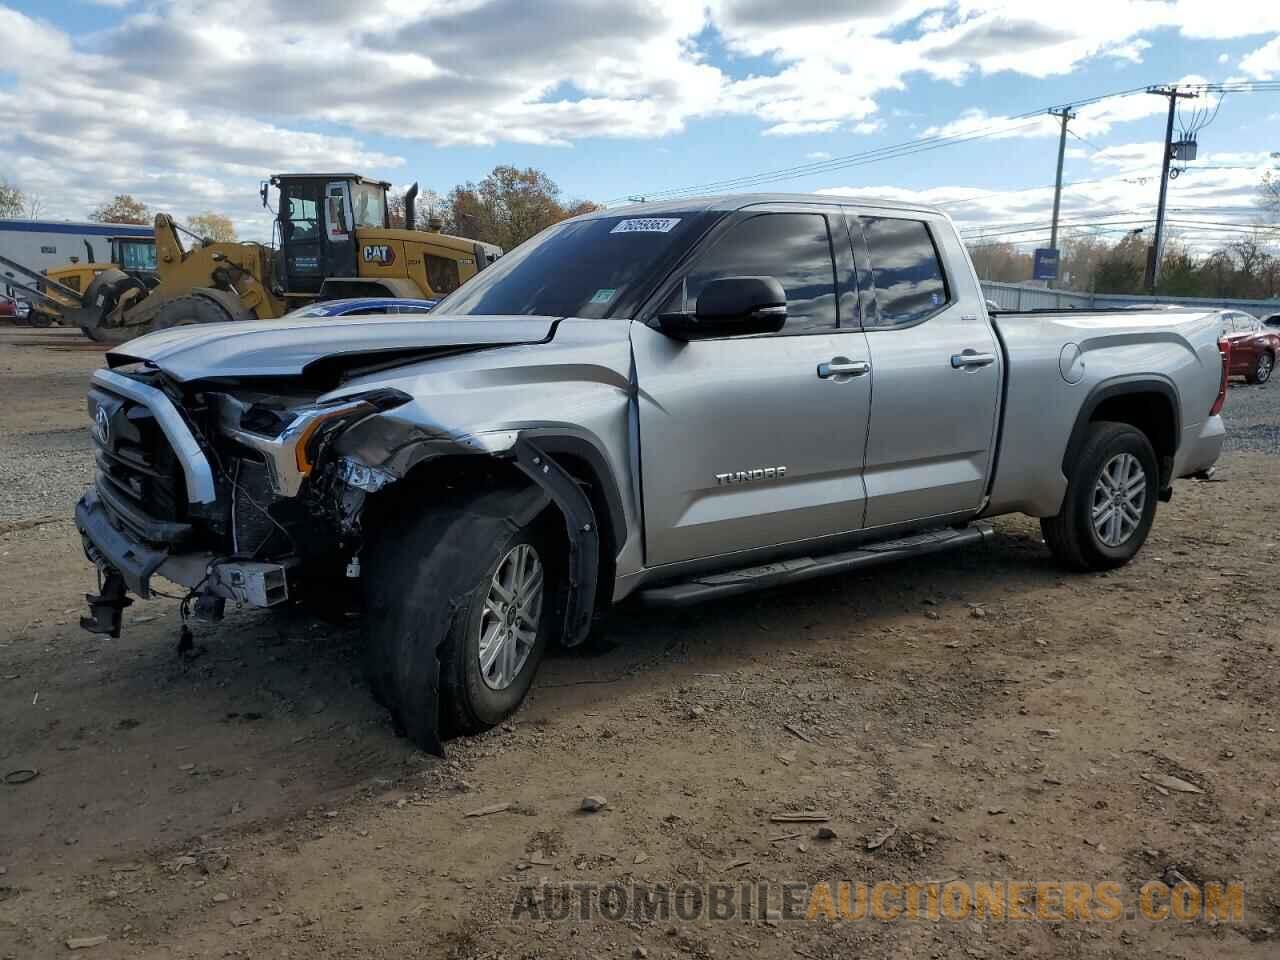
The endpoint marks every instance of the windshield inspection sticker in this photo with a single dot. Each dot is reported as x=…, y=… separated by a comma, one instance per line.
x=646, y=225
x=604, y=295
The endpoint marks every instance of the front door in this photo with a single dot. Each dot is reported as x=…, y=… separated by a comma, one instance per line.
x=301, y=244
x=339, y=230
x=937, y=374
x=757, y=441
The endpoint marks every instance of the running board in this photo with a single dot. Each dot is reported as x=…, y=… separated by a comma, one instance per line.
x=733, y=582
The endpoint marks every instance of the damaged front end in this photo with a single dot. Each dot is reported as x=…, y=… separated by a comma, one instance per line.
x=247, y=491
x=206, y=488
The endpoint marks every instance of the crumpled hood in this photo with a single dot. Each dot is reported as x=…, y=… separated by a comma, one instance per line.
x=285, y=348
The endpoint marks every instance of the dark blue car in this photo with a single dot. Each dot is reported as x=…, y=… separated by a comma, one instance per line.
x=358, y=305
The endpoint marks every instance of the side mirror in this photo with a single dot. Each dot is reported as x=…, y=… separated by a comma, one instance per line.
x=731, y=307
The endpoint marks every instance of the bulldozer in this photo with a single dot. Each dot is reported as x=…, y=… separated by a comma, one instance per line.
x=331, y=238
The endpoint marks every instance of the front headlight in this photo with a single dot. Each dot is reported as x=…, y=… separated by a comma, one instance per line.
x=292, y=454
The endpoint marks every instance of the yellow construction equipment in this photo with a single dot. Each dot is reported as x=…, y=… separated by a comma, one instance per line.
x=60, y=290
x=332, y=238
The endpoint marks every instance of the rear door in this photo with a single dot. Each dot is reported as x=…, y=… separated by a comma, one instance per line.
x=937, y=371
x=753, y=442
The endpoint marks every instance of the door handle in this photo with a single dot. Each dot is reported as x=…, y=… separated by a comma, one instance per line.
x=843, y=367
x=970, y=358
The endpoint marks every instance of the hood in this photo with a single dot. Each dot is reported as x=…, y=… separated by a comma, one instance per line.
x=294, y=347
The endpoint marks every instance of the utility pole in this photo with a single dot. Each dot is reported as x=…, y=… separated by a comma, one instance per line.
x=1157, y=246
x=1065, y=114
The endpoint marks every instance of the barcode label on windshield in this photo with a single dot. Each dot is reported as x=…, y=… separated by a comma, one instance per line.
x=646, y=225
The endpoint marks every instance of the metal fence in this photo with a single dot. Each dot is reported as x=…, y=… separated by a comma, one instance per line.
x=1016, y=296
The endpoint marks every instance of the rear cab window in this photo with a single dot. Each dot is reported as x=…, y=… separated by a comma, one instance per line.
x=909, y=282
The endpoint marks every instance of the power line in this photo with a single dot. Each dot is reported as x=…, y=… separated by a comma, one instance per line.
x=921, y=145
x=891, y=152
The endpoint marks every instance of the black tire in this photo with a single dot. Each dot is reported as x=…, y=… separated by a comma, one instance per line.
x=426, y=584
x=1262, y=370
x=186, y=311
x=1071, y=535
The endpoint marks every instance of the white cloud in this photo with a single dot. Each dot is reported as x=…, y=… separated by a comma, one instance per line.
x=1263, y=63
x=818, y=155
x=1120, y=196
x=1224, y=58
x=193, y=101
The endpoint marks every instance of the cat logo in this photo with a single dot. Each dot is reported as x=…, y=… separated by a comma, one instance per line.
x=379, y=253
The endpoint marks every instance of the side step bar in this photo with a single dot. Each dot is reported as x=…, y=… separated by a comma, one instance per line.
x=733, y=582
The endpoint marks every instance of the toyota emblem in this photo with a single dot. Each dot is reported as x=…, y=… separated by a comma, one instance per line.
x=102, y=426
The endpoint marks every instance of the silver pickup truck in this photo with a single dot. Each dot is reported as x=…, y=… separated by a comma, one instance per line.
x=670, y=401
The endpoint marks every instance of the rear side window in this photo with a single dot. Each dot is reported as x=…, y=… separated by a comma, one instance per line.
x=906, y=270
x=442, y=274
x=793, y=248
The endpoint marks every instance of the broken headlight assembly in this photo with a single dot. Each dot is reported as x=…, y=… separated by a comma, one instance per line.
x=292, y=454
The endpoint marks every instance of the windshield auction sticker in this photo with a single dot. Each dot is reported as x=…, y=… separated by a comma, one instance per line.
x=646, y=225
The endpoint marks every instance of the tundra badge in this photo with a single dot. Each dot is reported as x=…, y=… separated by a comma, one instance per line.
x=750, y=476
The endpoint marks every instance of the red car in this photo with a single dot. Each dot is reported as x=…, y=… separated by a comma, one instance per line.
x=1254, y=347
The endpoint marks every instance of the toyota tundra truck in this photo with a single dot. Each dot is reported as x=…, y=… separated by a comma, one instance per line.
x=667, y=402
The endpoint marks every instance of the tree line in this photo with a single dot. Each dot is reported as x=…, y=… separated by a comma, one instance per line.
x=506, y=207
x=1246, y=267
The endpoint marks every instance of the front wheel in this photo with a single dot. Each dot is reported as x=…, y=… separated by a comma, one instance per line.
x=1262, y=369
x=460, y=606
x=1110, y=502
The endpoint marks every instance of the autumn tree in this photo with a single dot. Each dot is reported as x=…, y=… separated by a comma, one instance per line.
x=1269, y=195
x=212, y=226
x=13, y=202
x=1122, y=268
x=1000, y=261
x=123, y=208
x=509, y=206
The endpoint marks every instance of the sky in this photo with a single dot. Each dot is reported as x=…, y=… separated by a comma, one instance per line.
x=189, y=104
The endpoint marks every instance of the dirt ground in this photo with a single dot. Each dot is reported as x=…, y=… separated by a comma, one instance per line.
x=994, y=717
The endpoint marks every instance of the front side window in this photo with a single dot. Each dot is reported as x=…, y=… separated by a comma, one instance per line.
x=906, y=270
x=302, y=216
x=793, y=248
x=369, y=203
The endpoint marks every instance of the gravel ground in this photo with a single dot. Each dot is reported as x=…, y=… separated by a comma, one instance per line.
x=977, y=716
x=46, y=458
x=1253, y=418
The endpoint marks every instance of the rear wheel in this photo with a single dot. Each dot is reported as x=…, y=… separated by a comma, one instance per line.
x=1262, y=369
x=1110, y=502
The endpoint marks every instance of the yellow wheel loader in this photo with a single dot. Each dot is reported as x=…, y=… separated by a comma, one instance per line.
x=60, y=290
x=332, y=238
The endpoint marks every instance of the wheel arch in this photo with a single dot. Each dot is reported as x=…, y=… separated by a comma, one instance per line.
x=574, y=473
x=1148, y=403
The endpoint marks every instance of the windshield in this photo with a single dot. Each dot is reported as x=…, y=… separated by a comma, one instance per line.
x=138, y=256
x=583, y=268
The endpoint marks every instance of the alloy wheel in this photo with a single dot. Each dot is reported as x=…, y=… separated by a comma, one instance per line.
x=509, y=621
x=1119, y=497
